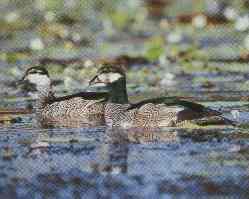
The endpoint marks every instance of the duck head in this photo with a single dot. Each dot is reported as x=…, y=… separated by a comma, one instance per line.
x=37, y=76
x=108, y=75
x=113, y=78
x=37, y=82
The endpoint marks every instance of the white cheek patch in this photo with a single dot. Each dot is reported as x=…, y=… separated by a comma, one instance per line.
x=109, y=77
x=38, y=79
x=99, y=85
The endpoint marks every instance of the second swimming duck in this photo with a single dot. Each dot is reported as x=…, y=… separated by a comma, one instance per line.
x=151, y=113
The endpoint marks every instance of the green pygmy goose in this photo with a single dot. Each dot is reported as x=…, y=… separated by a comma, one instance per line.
x=150, y=113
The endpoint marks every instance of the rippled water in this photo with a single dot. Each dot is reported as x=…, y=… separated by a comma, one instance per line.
x=103, y=163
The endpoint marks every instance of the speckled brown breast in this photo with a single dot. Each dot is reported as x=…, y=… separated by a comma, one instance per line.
x=117, y=115
x=73, y=110
x=151, y=115
x=148, y=116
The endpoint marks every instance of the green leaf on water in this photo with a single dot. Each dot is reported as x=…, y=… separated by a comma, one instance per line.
x=120, y=19
x=154, y=48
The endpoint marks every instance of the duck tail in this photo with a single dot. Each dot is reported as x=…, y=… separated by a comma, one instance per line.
x=229, y=122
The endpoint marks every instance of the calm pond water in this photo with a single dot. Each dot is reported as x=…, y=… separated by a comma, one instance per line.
x=103, y=163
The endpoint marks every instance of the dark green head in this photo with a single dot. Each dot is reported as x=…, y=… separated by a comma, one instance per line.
x=110, y=68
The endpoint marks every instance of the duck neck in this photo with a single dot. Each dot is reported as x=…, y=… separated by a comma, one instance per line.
x=118, y=92
x=45, y=94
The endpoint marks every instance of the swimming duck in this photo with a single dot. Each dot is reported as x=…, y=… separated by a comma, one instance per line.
x=84, y=108
x=150, y=113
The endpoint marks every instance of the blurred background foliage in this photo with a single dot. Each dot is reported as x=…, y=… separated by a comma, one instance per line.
x=78, y=22
x=177, y=36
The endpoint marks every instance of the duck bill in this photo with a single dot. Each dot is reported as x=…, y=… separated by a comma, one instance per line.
x=93, y=81
x=21, y=82
x=96, y=83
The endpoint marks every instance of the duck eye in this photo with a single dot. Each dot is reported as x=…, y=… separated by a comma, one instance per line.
x=36, y=72
x=41, y=72
x=31, y=73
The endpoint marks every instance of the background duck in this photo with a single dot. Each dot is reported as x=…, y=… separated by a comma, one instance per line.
x=150, y=113
x=82, y=108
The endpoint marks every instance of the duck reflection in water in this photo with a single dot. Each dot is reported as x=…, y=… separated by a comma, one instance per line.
x=113, y=153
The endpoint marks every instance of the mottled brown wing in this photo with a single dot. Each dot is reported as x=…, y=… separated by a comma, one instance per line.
x=177, y=101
